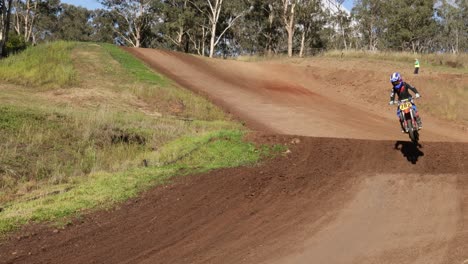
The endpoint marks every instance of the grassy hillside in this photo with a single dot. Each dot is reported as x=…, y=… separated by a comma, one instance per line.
x=86, y=125
x=45, y=66
x=442, y=62
x=449, y=60
x=442, y=80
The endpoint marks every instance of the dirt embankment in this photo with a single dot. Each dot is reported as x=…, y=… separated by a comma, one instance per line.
x=329, y=200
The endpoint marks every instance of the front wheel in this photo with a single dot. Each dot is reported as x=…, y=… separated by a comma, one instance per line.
x=413, y=132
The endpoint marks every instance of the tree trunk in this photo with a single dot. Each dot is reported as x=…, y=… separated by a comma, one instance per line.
x=28, y=33
x=203, y=41
x=6, y=12
x=344, y=38
x=212, y=40
x=288, y=18
x=137, y=36
x=26, y=19
x=17, y=24
x=371, y=35
x=271, y=19
x=290, y=42
x=301, y=53
x=179, y=38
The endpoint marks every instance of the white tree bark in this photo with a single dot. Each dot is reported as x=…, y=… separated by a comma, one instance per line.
x=5, y=15
x=181, y=30
x=301, y=52
x=26, y=15
x=215, y=7
x=289, y=23
x=199, y=44
x=134, y=13
x=215, y=12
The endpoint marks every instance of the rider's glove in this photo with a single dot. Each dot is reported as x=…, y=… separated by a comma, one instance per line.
x=391, y=102
x=418, y=95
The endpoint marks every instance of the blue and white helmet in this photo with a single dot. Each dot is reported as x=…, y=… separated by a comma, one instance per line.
x=396, y=80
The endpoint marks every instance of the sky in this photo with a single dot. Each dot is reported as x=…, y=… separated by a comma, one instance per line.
x=348, y=4
x=93, y=4
x=89, y=4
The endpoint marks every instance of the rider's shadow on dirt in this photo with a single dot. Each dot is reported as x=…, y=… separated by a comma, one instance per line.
x=410, y=150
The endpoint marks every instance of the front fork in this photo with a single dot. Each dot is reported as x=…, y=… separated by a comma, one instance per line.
x=404, y=121
x=413, y=120
x=404, y=125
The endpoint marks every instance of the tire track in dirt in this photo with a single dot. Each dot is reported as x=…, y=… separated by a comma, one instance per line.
x=287, y=99
x=381, y=225
x=316, y=203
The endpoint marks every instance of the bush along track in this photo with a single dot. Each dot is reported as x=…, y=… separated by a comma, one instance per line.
x=62, y=156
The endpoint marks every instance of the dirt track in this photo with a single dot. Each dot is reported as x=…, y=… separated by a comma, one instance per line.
x=331, y=200
x=293, y=99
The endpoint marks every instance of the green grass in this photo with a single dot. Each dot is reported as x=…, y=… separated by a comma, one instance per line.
x=191, y=151
x=51, y=145
x=47, y=65
x=47, y=144
x=155, y=89
x=82, y=144
x=44, y=140
x=135, y=67
x=100, y=190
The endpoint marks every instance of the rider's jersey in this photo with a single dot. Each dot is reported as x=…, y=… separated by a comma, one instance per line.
x=403, y=92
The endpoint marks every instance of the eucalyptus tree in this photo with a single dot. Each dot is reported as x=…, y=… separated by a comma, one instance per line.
x=368, y=14
x=308, y=18
x=289, y=22
x=409, y=25
x=273, y=28
x=343, y=20
x=102, y=26
x=43, y=20
x=453, y=21
x=213, y=10
x=36, y=20
x=131, y=19
x=183, y=27
x=197, y=34
x=178, y=20
x=5, y=16
x=463, y=5
x=26, y=13
x=260, y=30
x=47, y=24
x=75, y=23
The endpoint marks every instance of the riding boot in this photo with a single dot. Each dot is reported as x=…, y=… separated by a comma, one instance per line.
x=418, y=120
x=402, y=126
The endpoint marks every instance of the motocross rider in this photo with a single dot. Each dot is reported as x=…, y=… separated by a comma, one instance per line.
x=402, y=88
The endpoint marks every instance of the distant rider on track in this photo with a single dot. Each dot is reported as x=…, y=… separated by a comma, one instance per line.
x=402, y=88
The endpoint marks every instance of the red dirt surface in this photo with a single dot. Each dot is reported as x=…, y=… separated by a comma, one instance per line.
x=354, y=193
x=295, y=99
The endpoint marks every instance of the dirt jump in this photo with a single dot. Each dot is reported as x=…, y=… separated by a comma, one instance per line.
x=351, y=188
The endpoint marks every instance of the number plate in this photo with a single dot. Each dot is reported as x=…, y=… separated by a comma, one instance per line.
x=405, y=106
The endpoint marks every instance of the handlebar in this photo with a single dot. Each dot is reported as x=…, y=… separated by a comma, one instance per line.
x=410, y=99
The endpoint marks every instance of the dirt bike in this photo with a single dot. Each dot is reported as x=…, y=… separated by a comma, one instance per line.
x=408, y=115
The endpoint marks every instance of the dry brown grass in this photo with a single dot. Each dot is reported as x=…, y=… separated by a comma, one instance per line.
x=106, y=121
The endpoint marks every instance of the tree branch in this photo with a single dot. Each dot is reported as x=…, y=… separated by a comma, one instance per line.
x=228, y=27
